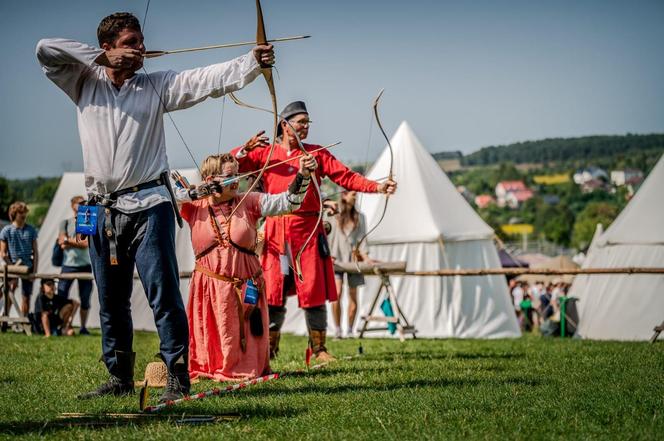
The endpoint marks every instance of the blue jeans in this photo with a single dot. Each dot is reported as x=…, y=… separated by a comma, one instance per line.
x=146, y=240
x=84, y=286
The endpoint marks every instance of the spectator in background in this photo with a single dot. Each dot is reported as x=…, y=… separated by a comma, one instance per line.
x=545, y=307
x=511, y=284
x=55, y=311
x=557, y=291
x=18, y=245
x=348, y=228
x=76, y=260
x=517, y=298
x=535, y=292
x=526, y=312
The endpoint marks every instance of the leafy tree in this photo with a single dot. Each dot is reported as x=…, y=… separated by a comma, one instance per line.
x=634, y=148
x=556, y=224
x=37, y=214
x=7, y=196
x=586, y=222
x=506, y=172
x=46, y=191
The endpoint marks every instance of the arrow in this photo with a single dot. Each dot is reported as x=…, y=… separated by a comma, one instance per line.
x=244, y=175
x=155, y=54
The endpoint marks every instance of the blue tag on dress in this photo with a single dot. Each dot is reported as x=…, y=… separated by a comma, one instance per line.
x=251, y=293
x=86, y=219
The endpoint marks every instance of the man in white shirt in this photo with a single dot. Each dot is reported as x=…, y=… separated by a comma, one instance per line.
x=120, y=120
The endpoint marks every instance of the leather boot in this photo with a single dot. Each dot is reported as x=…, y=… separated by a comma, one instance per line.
x=178, y=384
x=275, y=336
x=317, y=341
x=120, y=382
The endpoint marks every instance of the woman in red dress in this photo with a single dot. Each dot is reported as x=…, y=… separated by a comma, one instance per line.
x=227, y=308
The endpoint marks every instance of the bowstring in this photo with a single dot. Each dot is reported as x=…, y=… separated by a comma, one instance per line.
x=161, y=100
x=145, y=16
x=221, y=124
x=177, y=129
x=366, y=157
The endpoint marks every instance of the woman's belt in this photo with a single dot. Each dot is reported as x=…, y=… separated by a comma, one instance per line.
x=305, y=214
x=237, y=285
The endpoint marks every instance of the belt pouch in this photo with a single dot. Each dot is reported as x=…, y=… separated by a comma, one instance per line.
x=323, y=247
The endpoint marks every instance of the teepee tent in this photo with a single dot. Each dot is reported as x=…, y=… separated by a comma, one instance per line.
x=431, y=226
x=622, y=306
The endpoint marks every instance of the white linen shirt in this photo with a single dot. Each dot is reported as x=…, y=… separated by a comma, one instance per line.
x=122, y=131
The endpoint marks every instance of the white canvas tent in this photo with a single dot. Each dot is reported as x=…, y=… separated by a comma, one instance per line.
x=622, y=306
x=431, y=226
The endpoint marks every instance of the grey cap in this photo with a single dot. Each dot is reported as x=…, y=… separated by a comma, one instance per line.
x=292, y=109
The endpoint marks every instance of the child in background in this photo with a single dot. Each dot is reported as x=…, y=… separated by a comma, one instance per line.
x=56, y=312
x=18, y=246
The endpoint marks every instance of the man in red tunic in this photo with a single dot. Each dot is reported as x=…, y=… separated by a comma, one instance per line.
x=285, y=235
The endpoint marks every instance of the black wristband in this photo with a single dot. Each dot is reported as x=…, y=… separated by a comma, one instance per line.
x=296, y=184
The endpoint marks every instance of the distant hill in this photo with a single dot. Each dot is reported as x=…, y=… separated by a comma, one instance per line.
x=566, y=149
x=446, y=156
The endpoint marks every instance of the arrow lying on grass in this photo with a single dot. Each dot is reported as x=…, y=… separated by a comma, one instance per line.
x=228, y=389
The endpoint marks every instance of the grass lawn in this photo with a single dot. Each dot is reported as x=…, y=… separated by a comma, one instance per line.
x=529, y=388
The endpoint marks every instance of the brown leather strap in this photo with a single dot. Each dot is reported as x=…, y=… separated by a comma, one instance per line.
x=210, y=273
x=234, y=280
x=208, y=250
x=237, y=286
x=300, y=214
x=220, y=236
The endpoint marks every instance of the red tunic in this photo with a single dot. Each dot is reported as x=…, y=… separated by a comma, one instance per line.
x=318, y=284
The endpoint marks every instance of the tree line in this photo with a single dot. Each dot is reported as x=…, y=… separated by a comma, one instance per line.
x=566, y=150
x=32, y=191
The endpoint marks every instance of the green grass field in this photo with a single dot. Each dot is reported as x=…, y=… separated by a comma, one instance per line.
x=529, y=388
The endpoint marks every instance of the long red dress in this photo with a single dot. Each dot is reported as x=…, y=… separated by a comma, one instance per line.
x=292, y=230
x=214, y=326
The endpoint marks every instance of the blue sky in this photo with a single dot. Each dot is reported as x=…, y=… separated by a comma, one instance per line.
x=463, y=74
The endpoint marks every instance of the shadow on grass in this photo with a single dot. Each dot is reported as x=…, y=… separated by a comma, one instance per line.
x=314, y=388
x=424, y=356
x=177, y=416
x=380, y=370
x=6, y=381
